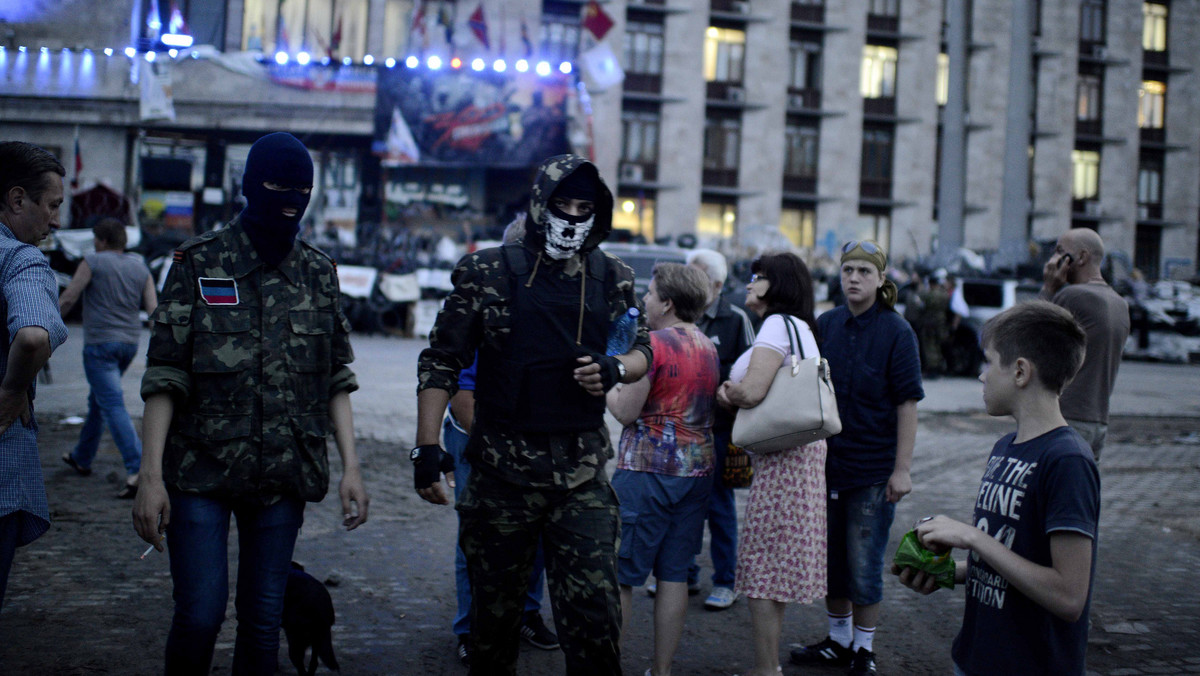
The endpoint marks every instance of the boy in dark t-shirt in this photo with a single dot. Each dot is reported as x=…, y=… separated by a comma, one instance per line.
x=1029, y=574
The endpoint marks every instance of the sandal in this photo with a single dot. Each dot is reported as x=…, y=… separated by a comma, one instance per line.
x=81, y=470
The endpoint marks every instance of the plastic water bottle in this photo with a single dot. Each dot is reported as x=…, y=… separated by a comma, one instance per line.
x=622, y=333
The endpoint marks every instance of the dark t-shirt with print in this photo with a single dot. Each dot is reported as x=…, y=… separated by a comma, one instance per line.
x=1029, y=491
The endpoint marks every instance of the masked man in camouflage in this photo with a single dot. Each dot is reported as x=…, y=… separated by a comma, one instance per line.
x=247, y=374
x=538, y=313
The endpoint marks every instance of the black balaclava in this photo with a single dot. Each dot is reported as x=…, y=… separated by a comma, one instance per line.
x=282, y=159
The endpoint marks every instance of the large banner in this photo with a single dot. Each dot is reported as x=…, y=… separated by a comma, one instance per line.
x=469, y=118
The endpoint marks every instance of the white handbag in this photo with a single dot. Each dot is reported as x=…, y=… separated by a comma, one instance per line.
x=800, y=407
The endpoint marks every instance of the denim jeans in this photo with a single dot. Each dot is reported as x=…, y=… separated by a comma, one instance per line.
x=858, y=522
x=104, y=364
x=197, y=541
x=722, y=522
x=455, y=441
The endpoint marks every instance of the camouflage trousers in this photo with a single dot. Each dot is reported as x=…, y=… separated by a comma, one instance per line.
x=500, y=524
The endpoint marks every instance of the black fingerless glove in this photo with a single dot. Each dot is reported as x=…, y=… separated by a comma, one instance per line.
x=610, y=374
x=429, y=463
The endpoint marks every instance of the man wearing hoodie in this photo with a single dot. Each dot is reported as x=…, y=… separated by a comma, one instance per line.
x=247, y=373
x=539, y=314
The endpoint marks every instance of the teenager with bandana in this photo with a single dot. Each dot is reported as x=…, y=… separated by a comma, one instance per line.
x=247, y=373
x=876, y=368
x=538, y=313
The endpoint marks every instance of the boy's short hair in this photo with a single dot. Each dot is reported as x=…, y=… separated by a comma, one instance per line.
x=1042, y=332
x=112, y=232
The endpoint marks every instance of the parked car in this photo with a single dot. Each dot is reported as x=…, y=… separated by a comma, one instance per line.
x=642, y=258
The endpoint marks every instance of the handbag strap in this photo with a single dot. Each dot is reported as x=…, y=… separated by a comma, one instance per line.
x=794, y=342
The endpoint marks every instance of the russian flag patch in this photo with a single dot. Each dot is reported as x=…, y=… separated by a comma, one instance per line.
x=218, y=291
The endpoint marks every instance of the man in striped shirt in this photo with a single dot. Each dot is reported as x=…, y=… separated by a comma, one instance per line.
x=31, y=192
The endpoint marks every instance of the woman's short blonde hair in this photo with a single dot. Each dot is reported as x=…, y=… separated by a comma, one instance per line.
x=685, y=286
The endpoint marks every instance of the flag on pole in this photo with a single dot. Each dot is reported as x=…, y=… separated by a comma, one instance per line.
x=525, y=38
x=478, y=26
x=78, y=161
x=418, y=27
x=595, y=20
x=335, y=42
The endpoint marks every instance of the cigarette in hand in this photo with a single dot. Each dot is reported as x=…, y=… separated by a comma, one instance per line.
x=151, y=547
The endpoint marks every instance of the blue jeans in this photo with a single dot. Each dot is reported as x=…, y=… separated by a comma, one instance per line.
x=858, y=521
x=455, y=441
x=104, y=364
x=722, y=522
x=197, y=541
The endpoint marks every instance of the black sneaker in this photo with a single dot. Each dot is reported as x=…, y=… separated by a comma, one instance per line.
x=534, y=630
x=863, y=663
x=828, y=652
x=464, y=649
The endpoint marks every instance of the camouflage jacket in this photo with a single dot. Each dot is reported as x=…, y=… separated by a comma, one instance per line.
x=477, y=312
x=251, y=357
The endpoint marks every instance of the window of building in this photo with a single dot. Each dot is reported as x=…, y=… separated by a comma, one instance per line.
x=1149, y=186
x=397, y=28
x=560, y=37
x=806, y=65
x=874, y=224
x=1154, y=27
x=1091, y=20
x=643, y=48
x=635, y=213
x=722, y=142
x=800, y=154
x=942, y=86
x=639, y=133
x=724, y=54
x=879, y=72
x=799, y=226
x=1152, y=103
x=1088, y=91
x=1147, y=250
x=810, y=3
x=884, y=8
x=717, y=220
x=1085, y=183
x=877, y=155
x=334, y=28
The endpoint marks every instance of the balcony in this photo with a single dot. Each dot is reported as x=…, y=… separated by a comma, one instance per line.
x=875, y=188
x=729, y=6
x=889, y=25
x=720, y=178
x=638, y=172
x=643, y=83
x=1158, y=60
x=728, y=92
x=804, y=99
x=1150, y=212
x=800, y=185
x=1085, y=209
x=1154, y=136
x=1092, y=128
x=884, y=106
x=808, y=13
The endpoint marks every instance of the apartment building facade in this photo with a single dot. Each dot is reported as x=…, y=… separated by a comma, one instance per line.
x=810, y=120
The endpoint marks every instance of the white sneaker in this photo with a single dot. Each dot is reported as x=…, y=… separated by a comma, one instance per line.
x=720, y=598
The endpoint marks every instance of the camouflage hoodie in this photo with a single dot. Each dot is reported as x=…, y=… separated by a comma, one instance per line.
x=478, y=313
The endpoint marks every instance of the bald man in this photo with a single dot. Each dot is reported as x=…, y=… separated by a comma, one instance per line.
x=1071, y=279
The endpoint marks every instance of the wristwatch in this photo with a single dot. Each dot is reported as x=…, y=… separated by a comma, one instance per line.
x=620, y=371
x=414, y=454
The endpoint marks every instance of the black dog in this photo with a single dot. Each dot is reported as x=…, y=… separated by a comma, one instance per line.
x=307, y=619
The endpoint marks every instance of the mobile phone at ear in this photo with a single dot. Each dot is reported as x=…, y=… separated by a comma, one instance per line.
x=1065, y=260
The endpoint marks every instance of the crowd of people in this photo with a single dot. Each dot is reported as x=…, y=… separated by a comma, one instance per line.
x=248, y=374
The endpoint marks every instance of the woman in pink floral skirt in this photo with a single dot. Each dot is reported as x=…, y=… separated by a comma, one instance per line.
x=781, y=558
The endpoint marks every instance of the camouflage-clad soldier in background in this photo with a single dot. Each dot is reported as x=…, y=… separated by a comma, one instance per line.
x=247, y=373
x=538, y=313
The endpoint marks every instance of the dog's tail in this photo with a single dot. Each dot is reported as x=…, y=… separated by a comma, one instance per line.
x=323, y=649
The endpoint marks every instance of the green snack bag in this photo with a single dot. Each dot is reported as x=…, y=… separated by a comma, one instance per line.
x=911, y=554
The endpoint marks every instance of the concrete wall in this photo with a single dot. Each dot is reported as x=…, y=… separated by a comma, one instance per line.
x=1058, y=73
x=1119, y=161
x=681, y=134
x=762, y=155
x=987, y=97
x=840, y=159
x=1181, y=189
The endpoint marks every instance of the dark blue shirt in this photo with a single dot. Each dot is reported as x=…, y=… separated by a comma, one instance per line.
x=1031, y=490
x=875, y=366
